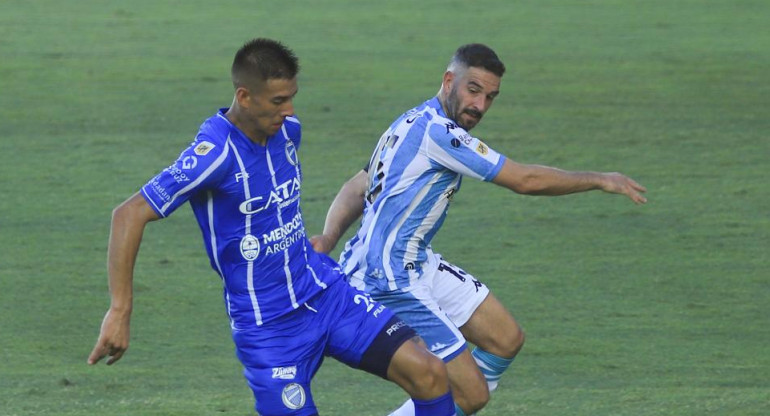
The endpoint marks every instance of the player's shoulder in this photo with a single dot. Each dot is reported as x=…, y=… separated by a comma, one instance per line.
x=446, y=132
x=212, y=136
x=417, y=118
x=443, y=129
x=216, y=128
x=431, y=116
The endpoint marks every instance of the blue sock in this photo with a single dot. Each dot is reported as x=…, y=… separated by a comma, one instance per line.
x=458, y=411
x=491, y=366
x=440, y=406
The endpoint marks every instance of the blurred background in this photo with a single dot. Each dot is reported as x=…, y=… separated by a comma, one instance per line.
x=629, y=310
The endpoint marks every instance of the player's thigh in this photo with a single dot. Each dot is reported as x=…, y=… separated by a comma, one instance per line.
x=280, y=359
x=363, y=333
x=278, y=397
x=457, y=292
x=492, y=328
x=421, y=311
x=421, y=374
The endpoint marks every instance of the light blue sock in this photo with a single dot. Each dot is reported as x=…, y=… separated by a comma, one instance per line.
x=458, y=411
x=491, y=366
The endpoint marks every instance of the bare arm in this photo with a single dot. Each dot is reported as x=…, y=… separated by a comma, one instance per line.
x=128, y=222
x=346, y=208
x=545, y=180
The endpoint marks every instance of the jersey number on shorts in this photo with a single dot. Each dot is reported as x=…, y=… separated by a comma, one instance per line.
x=366, y=299
x=442, y=267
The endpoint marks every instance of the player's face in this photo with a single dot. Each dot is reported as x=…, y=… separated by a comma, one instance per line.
x=269, y=103
x=470, y=95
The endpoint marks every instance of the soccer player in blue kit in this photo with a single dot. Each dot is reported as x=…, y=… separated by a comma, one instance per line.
x=404, y=193
x=288, y=305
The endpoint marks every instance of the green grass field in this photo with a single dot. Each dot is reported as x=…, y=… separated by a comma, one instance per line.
x=654, y=310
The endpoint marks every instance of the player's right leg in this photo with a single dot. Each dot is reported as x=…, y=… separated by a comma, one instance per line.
x=367, y=335
x=417, y=307
x=469, y=389
x=418, y=372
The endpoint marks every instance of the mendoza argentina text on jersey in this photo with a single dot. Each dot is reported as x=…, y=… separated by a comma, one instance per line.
x=246, y=199
x=414, y=171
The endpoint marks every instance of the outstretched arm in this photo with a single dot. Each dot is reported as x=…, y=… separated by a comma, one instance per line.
x=346, y=208
x=128, y=222
x=545, y=180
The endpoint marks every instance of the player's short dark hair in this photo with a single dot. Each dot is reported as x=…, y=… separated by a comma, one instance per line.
x=477, y=55
x=262, y=59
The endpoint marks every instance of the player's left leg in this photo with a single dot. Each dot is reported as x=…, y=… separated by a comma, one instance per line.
x=280, y=358
x=482, y=319
x=497, y=336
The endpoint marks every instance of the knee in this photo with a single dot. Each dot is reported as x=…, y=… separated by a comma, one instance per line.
x=476, y=405
x=472, y=401
x=510, y=343
x=432, y=375
x=515, y=342
x=419, y=373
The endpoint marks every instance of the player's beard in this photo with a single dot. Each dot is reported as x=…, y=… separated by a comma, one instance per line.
x=454, y=112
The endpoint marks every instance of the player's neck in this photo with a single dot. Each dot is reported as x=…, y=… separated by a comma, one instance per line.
x=442, y=100
x=243, y=125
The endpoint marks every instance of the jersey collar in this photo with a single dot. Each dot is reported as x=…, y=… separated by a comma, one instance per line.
x=435, y=104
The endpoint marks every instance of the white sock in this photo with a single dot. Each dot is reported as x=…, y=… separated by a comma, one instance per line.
x=406, y=409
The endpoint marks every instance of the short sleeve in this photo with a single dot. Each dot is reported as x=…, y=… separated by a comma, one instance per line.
x=454, y=148
x=201, y=166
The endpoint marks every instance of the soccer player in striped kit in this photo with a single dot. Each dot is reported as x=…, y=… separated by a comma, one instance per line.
x=404, y=193
x=288, y=305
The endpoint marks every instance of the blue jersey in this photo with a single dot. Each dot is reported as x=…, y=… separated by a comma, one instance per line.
x=414, y=171
x=246, y=199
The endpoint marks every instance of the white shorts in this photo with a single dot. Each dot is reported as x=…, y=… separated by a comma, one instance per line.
x=440, y=302
x=458, y=293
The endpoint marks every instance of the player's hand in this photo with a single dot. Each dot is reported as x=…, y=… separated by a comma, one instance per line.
x=113, y=338
x=618, y=183
x=322, y=243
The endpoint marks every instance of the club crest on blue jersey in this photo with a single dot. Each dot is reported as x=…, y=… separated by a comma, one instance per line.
x=293, y=396
x=249, y=247
x=291, y=153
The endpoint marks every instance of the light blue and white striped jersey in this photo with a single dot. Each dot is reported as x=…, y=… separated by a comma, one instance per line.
x=415, y=170
x=246, y=200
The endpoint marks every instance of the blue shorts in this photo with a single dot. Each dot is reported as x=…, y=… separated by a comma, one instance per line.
x=282, y=356
x=422, y=312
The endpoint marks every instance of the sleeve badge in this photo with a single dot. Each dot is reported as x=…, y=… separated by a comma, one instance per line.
x=203, y=148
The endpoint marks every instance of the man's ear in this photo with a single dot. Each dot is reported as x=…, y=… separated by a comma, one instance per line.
x=446, y=83
x=242, y=96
